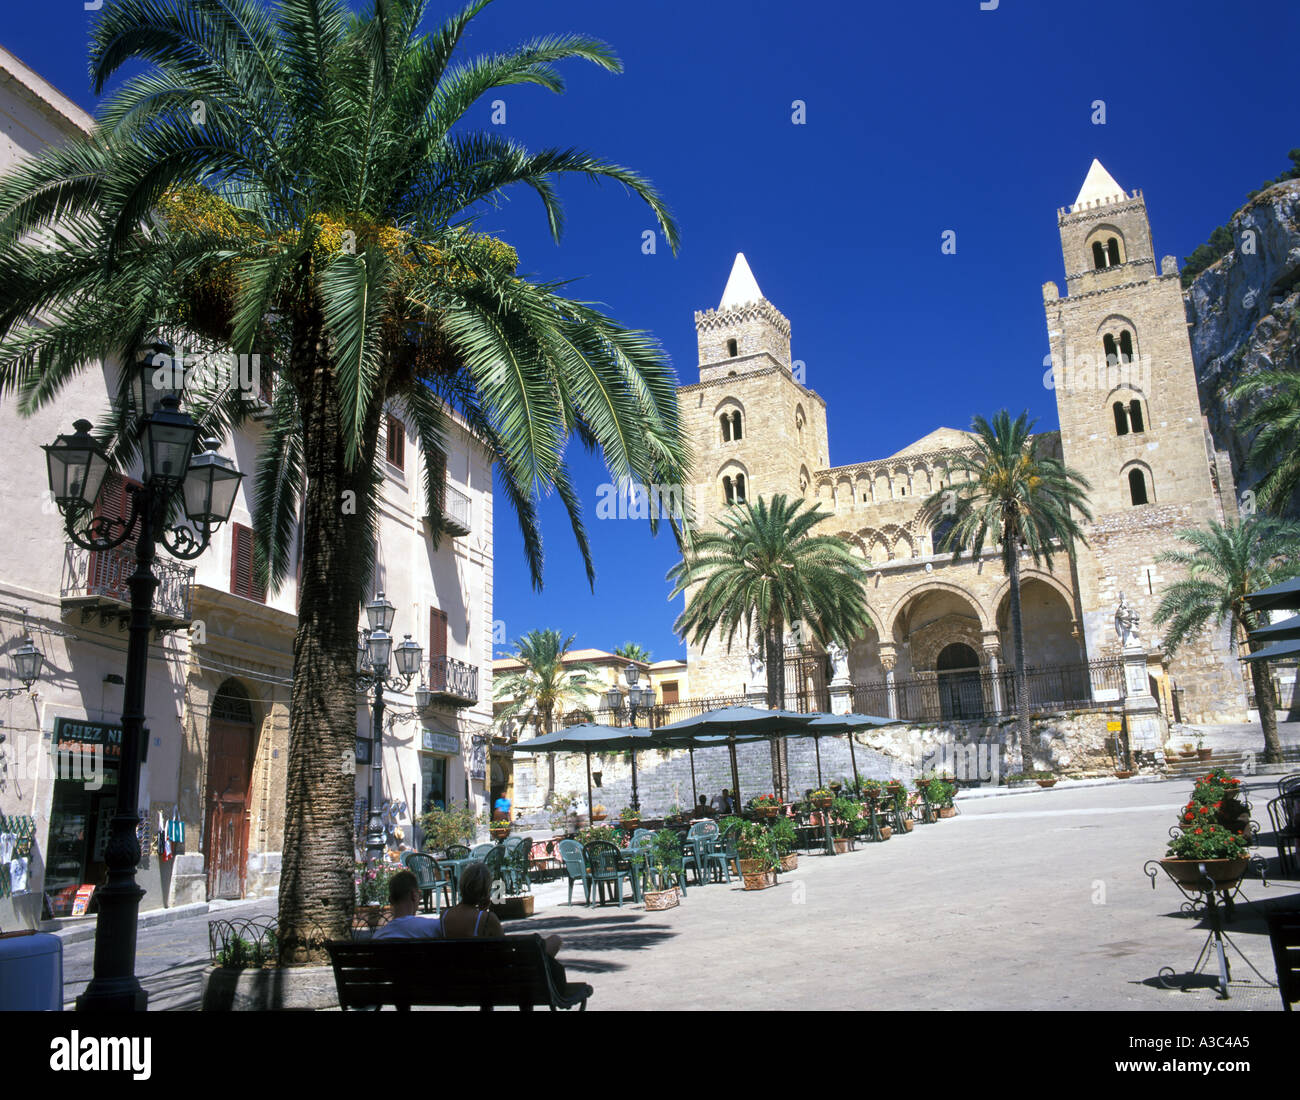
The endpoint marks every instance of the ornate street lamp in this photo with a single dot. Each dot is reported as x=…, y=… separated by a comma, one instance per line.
x=376, y=652
x=27, y=664
x=638, y=699
x=77, y=466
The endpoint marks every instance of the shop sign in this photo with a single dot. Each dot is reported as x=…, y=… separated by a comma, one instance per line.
x=441, y=742
x=74, y=734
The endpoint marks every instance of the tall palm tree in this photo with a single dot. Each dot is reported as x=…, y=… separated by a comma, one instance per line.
x=1275, y=420
x=298, y=181
x=1023, y=498
x=765, y=569
x=545, y=684
x=631, y=651
x=1224, y=564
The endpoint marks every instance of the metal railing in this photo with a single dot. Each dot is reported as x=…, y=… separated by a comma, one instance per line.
x=979, y=694
x=100, y=576
x=455, y=508
x=450, y=677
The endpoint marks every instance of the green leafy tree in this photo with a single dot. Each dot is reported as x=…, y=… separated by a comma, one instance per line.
x=1275, y=420
x=1008, y=490
x=766, y=569
x=630, y=651
x=299, y=181
x=1224, y=563
x=546, y=684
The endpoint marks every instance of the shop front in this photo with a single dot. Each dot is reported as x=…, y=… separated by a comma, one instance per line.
x=437, y=751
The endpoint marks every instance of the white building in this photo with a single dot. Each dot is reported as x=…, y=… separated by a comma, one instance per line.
x=220, y=664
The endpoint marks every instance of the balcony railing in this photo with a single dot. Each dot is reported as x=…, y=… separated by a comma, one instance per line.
x=455, y=508
x=451, y=681
x=96, y=581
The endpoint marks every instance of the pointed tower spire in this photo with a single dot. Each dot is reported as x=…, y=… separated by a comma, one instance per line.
x=742, y=287
x=1098, y=187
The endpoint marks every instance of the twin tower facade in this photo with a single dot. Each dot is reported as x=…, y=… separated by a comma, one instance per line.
x=1131, y=422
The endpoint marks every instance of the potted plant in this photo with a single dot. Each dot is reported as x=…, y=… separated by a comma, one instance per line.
x=499, y=830
x=844, y=823
x=1045, y=779
x=1124, y=773
x=821, y=798
x=784, y=837
x=1188, y=752
x=598, y=813
x=758, y=858
x=665, y=859
x=1218, y=795
x=441, y=828
x=1207, y=852
x=1202, y=753
x=597, y=832
x=371, y=881
x=630, y=816
x=766, y=805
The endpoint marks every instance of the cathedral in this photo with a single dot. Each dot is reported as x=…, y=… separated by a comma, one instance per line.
x=940, y=647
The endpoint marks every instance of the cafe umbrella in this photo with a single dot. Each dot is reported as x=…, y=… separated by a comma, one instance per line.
x=588, y=738
x=833, y=724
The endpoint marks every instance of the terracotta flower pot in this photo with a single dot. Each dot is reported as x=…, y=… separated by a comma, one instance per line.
x=947, y=811
x=767, y=811
x=1124, y=774
x=657, y=900
x=886, y=832
x=790, y=862
x=822, y=803
x=752, y=866
x=759, y=880
x=1225, y=873
x=1047, y=782
x=841, y=845
x=908, y=825
x=1204, y=754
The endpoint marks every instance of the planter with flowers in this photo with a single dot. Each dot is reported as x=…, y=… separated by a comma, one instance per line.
x=844, y=823
x=785, y=838
x=1212, y=839
x=629, y=817
x=821, y=798
x=759, y=858
x=598, y=813
x=371, y=882
x=766, y=805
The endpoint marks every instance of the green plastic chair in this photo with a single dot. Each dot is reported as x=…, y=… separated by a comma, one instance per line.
x=602, y=859
x=432, y=879
x=575, y=867
x=480, y=851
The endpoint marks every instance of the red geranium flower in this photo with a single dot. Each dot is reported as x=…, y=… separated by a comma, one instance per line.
x=1205, y=809
x=1198, y=832
x=1189, y=817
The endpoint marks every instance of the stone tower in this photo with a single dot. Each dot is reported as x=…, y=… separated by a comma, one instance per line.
x=1131, y=423
x=754, y=428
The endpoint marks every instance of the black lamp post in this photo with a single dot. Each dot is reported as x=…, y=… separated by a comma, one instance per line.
x=638, y=699
x=77, y=466
x=376, y=651
x=27, y=664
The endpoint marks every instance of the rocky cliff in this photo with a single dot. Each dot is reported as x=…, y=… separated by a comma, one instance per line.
x=1244, y=312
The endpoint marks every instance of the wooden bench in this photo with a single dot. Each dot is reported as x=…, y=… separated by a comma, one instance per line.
x=1284, y=935
x=481, y=973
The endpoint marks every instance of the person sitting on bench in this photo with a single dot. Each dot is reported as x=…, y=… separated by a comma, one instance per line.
x=472, y=916
x=404, y=895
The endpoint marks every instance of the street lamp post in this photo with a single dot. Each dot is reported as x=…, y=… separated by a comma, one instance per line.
x=27, y=664
x=205, y=486
x=377, y=649
x=638, y=699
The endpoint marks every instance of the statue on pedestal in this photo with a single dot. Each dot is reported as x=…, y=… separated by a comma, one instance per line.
x=757, y=670
x=1126, y=623
x=839, y=662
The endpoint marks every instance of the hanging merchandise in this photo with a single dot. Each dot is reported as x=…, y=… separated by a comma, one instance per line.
x=176, y=828
x=164, y=844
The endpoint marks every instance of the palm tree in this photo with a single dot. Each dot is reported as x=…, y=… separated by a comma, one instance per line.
x=297, y=181
x=1276, y=446
x=1224, y=564
x=630, y=651
x=765, y=569
x=1024, y=499
x=544, y=685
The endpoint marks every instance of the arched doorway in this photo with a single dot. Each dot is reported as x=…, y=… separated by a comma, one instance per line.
x=960, y=694
x=230, y=766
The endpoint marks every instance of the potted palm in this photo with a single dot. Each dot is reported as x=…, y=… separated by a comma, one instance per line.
x=758, y=856
x=844, y=823
x=665, y=864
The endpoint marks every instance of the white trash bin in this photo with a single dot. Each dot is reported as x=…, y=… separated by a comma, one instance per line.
x=31, y=972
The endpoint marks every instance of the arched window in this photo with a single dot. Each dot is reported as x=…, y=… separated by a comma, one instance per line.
x=735, y=426
x=726, y=428
x=1098, y=255
x=740, y=488
x=939, y=536
x=1135, y=414
x=1110, y=348
x=1137, y=487
x=728, y=490
x=1121, y=418
x=1112, y=252
x=732, y=349
x=1126, y=346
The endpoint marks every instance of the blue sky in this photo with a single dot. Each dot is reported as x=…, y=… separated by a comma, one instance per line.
x=921, y=118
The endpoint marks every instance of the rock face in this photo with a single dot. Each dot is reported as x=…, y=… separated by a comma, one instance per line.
x=1245, y=315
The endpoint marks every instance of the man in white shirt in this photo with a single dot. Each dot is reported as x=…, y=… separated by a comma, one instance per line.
x=404, y=896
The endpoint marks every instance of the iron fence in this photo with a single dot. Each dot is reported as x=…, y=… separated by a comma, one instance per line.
x=100, y=576
x=450, y=677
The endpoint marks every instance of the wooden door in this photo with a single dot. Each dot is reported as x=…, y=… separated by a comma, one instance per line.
x=226, y=836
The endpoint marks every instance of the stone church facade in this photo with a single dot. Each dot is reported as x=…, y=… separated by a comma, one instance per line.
x=1131, y=423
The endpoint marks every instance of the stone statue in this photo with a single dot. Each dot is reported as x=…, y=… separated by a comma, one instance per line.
x=1126, y=623
x=757, y=668
x=839, y=662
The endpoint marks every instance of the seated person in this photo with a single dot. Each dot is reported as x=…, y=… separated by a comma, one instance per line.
x=472, y=916
x=702, y=808
x=404, y=895
x=722, y=802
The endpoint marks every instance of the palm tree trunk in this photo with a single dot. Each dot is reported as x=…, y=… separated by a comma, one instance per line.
x=774, y=655
x=1267, y=710
x=316, y=884
x=550, y=757
x=1018, y=651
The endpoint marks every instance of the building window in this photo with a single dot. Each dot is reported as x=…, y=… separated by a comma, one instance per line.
x=1135, y=415
x=1126, y=346
x=740, y=488
x=728, y=491
x=396, y=443
x=1121, y=418
x=732, y=349
x=669, y=689
x=1098, y=255
x=1112, y=252
x=736, y=432
x=1137, y=487
x=243, y=581
x=726, y=428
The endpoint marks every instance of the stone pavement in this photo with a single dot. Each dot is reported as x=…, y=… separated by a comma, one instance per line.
x=1032, y=901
